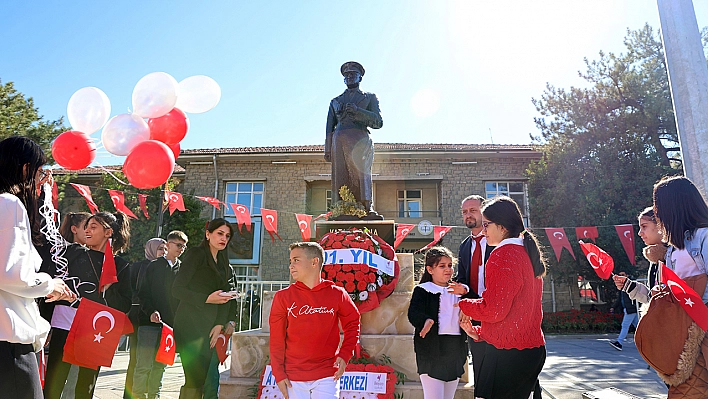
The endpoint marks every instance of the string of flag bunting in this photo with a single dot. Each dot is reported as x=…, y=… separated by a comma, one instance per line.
x=175, y=202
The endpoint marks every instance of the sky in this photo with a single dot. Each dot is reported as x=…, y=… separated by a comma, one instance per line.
x=444, y=71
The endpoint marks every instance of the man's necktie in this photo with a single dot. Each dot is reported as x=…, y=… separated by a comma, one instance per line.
x=475, y=263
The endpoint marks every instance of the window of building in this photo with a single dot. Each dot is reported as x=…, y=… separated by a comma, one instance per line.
x=245, y=246
x=409, y=203
x=515, y=190
x=328, y=199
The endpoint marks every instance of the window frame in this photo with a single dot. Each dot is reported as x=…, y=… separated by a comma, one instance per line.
x=407, y=212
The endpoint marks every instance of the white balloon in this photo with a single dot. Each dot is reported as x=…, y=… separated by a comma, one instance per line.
x=155, y=95
x=198, y=94
x=88, y=110
x=123, y=132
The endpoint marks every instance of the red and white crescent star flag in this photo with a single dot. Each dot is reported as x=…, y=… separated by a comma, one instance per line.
x=402, y=231
x=303, y=223
x=166, y=352
x=438, y=233
x=175, y=202
x=222, y=344
x=626, y=236
x=109, y=275
x=601, y=261
x=119, y=203
x=686, y=296
x=559, y=241
x=584, y=233
x=94, y=335
x=211, y=201
x=270, y=222
x=143, y=204
x=85, y=192
x=243, y=216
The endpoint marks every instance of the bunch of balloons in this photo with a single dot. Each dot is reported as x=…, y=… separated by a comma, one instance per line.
x=149, y=137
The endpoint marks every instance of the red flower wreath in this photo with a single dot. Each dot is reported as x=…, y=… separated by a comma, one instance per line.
x=366, y=286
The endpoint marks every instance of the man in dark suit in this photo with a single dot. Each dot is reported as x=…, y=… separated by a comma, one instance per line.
x=348, y=145
x=472, y=256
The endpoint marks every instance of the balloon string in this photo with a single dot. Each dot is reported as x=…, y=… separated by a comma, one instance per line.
x=51, y=233
x=111, y=173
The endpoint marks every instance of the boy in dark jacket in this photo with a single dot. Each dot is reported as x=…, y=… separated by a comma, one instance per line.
x=629, y=307
x=157, y=306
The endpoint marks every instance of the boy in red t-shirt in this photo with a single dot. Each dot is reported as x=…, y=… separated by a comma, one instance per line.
x=306, y=358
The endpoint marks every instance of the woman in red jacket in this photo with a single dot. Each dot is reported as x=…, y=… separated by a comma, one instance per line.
x=510, y=309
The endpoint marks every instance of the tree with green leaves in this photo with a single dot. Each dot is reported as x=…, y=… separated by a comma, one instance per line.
x=604, y=146
x=19, y=117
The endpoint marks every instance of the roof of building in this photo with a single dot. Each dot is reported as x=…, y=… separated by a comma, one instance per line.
x=377, y=147
x=98, y=171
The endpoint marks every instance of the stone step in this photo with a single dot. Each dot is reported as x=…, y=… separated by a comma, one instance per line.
x=233, y=388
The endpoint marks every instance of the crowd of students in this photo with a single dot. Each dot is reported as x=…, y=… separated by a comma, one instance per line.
x=489, y=307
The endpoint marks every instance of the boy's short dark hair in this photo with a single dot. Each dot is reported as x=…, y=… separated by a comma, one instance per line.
x=177, y=235
x=312, y=250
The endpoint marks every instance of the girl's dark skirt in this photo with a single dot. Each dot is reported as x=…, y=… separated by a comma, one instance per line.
x=509, y=373
x=448, y=363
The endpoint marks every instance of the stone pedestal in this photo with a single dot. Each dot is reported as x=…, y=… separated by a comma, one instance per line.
x=384, y=330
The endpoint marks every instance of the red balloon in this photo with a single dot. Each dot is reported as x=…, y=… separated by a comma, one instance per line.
x=73, y=150
x=149, y=164
x=169, y=128
x=175, y=149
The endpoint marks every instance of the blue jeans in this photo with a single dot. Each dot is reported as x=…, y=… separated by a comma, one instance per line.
x=147, y=378
x=627, y=321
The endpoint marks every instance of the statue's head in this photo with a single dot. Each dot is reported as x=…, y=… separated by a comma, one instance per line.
x=352, y=72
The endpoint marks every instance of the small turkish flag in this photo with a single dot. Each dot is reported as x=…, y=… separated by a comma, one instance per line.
x=559, y=241
x=402, y=231
x=212, y=201
x=686, y=296
x=94, y=335
x=601, y=261
x=270, y=222
x=85, y=192
x=303, y=222
x=243, y=216
x=109, y=275
x=586, y=233
x=626, y=236
x=143, y=204
x=438, y=233
x=175, y=202
x=222, y=344
x=119, y=203
x=166, y=353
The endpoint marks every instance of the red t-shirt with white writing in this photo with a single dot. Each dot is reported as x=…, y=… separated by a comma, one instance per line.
x=304, y=331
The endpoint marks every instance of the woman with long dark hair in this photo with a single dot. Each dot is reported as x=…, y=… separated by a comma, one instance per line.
x=85, y=266
x=510, y=310
x=22, y=329
x=204, y=285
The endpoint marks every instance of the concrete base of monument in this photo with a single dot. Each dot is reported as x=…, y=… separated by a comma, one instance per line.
x=244, y=387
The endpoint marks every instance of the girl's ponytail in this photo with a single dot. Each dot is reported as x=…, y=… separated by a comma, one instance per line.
x=537, y=261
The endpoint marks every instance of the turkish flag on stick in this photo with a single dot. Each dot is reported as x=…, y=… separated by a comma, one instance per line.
x=143, y=204
x=689, y=299
x=166, y=353
x=85, y=192
x=243, y=216
x=438, y=233
x=212, y=201
x=559, y=241
x=586, y=233
x=270, y=222
x=109, y=275
x=626, y=236
x=175, y=202
x=303, y=222
x=601, y=261
x=94, y=335
x=402, y=231
x=222, y=344
x=119, y=203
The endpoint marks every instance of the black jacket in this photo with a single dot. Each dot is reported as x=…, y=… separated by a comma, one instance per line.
x=155, y=292
x=629, y=305
x=198, y=277
x=426, y=305
x=464, y=257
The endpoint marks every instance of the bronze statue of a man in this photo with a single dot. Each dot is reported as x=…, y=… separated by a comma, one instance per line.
x=348, y=145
